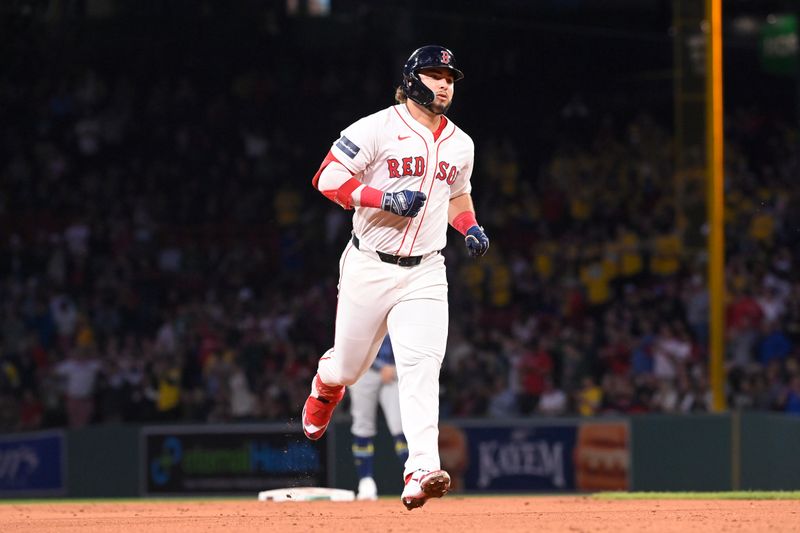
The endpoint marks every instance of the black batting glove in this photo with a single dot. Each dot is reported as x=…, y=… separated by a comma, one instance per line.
x=477, y=242
x=403, y=203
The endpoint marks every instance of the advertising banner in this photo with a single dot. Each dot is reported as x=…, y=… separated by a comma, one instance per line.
x=779, y=48
x=579, y=456
x=230, y=459
x=32, y=464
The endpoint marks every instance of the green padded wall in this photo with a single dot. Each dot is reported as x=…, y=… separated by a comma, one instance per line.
x=691, y=452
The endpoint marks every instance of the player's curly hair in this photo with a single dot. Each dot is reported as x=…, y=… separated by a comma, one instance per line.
x=400, y=95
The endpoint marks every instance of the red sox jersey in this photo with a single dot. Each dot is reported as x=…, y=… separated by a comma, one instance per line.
x=391, y=151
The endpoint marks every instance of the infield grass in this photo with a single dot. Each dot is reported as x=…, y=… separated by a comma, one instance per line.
x=733, y=495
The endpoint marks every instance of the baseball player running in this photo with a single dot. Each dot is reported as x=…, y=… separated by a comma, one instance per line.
x=406, y=171
x=378, y=385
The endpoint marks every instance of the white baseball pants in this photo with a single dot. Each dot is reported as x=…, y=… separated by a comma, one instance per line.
x=411, y=302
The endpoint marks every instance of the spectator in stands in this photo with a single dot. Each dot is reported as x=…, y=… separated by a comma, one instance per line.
x=791, y=400
x=552, y=401
x=206, y=298
x=79, y=372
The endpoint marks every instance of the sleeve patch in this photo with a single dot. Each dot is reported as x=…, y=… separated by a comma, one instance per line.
x=348, y=147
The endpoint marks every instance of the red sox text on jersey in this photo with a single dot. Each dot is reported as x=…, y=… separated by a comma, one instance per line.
x=415, y=166
x=391, y=151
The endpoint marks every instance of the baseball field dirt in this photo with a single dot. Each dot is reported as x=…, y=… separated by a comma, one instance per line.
x=453, y=514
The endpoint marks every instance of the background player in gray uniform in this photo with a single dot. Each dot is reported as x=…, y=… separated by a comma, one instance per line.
x=377, y=386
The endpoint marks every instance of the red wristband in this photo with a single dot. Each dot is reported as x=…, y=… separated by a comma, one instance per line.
x=464, y=221
x=345, y=191
x=371, y=197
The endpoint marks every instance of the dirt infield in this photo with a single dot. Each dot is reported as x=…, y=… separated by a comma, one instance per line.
x=454, y=514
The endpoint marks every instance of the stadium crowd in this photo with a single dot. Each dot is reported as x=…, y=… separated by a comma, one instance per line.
x=163, y=259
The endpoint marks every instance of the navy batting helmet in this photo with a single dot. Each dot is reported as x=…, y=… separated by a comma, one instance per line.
x=431, y=56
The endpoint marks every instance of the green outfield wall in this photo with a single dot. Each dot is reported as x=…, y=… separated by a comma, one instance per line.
x=742, y=451
x=671, y=453
x=769, y=452
x=103, y=462
x=702, y=452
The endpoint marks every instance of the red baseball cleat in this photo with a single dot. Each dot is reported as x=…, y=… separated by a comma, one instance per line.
x=319, y=406
x=422, y=485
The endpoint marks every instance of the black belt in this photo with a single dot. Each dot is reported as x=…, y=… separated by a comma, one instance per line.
x=399, y=260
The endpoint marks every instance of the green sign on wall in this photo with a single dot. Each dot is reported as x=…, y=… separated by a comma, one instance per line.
x=779, y=45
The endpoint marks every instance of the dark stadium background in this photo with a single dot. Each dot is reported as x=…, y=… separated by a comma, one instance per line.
x=207, y=276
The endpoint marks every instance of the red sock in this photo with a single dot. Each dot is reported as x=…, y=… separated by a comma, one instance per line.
x=330, y=393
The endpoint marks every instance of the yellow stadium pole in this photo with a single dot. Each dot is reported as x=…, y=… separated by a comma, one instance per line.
x=715, y=194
